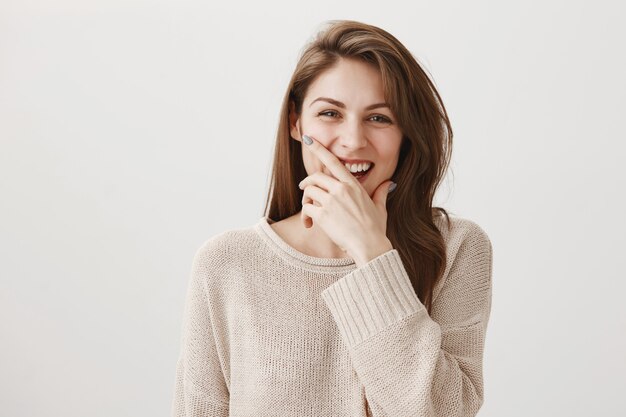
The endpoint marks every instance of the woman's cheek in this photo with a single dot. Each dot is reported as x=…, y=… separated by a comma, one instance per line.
x=322, y=131
x=322, y=136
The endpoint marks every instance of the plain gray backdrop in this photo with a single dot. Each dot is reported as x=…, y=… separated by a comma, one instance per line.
x=131, y=131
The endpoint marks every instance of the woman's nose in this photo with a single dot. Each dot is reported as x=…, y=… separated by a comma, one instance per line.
x=352, y=136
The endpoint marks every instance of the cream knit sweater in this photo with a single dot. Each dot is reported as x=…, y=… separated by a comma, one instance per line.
x=271, y=331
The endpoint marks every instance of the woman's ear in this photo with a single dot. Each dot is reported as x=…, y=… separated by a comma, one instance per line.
x=294, y=122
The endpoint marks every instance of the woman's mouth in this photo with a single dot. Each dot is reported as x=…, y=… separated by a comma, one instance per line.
x=362, y=175
x=359, y=175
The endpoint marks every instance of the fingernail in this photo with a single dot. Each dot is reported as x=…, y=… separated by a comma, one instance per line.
x=307, y=139
x=392, y=187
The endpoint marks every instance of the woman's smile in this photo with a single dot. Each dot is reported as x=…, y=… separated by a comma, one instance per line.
x=361, y=126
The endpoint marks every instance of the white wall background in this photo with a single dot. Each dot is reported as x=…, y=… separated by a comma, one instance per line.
x=132, y=131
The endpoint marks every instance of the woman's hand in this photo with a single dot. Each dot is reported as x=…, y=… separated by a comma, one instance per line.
x=345, y=211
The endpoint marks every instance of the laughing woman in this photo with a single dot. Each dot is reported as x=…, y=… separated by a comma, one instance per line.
x=352, y=295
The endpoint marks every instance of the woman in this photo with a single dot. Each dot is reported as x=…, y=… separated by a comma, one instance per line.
x=347, y=299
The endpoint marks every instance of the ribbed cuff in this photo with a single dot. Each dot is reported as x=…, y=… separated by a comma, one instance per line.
x=371, y=298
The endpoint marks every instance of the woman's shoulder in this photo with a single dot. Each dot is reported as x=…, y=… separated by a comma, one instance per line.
x=469, y=254
x=227, y=246
x=229, y=239
x=460, y=228
x=464, y=239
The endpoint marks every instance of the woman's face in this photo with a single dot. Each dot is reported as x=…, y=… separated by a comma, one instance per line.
x=335, y=112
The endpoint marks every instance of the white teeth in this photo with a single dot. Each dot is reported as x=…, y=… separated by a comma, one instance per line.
x=358, y=167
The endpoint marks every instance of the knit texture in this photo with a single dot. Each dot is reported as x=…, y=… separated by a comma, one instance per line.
x=271, y=331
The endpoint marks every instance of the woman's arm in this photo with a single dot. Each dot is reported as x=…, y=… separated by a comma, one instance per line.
x=200, y=387
x=412, y=364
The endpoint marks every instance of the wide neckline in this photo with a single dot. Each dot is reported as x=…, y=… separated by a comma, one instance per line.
x=291, y=254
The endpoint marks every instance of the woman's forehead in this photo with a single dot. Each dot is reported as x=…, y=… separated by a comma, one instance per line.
x=347, y=85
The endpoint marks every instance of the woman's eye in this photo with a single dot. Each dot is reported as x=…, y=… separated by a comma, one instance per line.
x=325, y=113
x=383, y=119
x=332, y=113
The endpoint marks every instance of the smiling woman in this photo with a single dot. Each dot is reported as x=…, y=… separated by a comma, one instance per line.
x=356, y=125
x=345, y=299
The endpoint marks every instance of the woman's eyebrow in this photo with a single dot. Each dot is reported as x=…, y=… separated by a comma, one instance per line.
x=343, y=106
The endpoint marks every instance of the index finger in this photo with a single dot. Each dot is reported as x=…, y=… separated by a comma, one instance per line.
x=336, y=167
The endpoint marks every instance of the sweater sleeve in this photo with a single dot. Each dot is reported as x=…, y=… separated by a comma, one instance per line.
x=200, y=387
x=412, y=364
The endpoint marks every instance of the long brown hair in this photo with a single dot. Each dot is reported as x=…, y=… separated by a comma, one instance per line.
x=424, y=153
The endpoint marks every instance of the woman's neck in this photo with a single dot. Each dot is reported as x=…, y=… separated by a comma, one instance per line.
x=313, y=241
